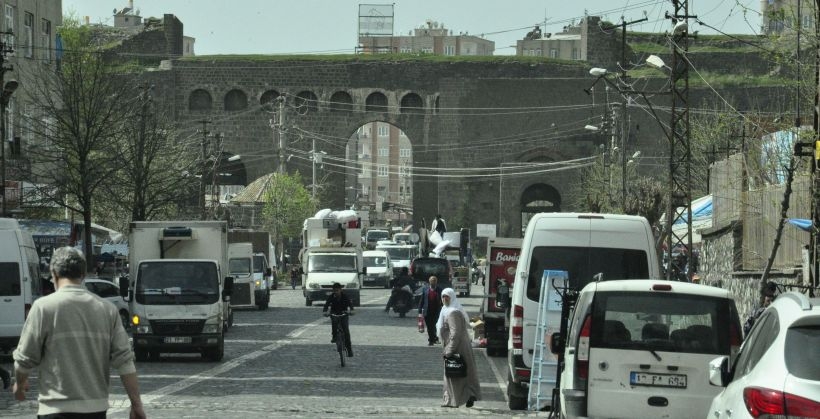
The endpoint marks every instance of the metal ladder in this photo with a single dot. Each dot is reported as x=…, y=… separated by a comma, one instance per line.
x=540, y=350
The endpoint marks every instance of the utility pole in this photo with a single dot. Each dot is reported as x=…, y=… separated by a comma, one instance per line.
x=313, y=154
x=4, y=101
x=204, y=157
x=680, y=170
x=280, y=131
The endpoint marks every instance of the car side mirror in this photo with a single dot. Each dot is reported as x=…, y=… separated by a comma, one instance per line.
x=719, y=374
x=227, y=290
x=556, y=343
x=123, y=283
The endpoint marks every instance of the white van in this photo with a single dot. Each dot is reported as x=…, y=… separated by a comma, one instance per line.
x=607, y=246
x=641, y=349
x=19, y=280
x=379, y=268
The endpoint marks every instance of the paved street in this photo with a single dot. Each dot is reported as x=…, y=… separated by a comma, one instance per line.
x=280, y=362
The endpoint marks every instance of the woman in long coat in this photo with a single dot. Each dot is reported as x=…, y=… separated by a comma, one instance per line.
x=452, y=330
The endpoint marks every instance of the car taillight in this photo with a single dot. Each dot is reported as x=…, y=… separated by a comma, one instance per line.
x=26, y=309
x=517, y=327
x=764, y=402
x=583, y=348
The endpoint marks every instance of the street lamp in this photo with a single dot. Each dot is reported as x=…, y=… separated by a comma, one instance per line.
x=8, y=89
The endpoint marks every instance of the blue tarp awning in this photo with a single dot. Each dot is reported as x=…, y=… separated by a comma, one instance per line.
x=701, y=209
x=801, y=223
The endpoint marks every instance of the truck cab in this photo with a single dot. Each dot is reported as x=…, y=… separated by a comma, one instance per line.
x=325, y=266
x=247, y=290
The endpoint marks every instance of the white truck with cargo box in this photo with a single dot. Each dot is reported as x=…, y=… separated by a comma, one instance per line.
x=20, y=281
x=587, y=247
x=248, y=291
x=332, y=253
x=179, y=294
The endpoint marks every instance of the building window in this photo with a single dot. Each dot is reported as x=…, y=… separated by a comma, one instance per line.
x=383, y=130
x=8, y=26
x=406, y=50
x=449, y=50
x=575, y=54
x=9, y=115
x=404, y=152
x=553, y=53
x=405, y=171
x=365, y=170
x=383, y=152
x=45, y=39
x=382, y=170
x=807, y=21
x=28, y=34
x=427, y=50
x=538, y=52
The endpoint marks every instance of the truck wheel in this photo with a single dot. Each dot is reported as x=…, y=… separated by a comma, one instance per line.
x=516, y=402
x=140, y=354
x=308, y=302
x=215, y=354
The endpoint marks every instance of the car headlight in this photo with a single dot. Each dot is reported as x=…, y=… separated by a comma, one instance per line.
x=352, y=285
x=210, y=328
x=144, y=329
x=258, y=282
x=313, y=286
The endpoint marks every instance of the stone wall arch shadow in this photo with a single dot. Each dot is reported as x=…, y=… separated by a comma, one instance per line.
x=268, y=99
x=376, y=102
x=538, y=197
x=412, y=103
x=306, y=102
x=236, y=100
x=200, y=100
x=341, y=101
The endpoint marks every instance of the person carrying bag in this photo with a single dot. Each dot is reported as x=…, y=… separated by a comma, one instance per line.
x=461, y=385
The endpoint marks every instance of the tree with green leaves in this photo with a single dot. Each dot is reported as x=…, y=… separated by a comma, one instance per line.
x=79, y=113
x=287, y=204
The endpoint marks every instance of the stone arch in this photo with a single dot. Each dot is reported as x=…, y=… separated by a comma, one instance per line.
x=376, y=102
x=341, y=102
x=306, y=101
x=200, y=100
x=268, y=97
x=412, y=103
x=540, y=197
x=236, y=100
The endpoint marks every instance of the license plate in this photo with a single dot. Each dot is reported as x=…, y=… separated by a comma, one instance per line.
x=657, y=380
x=178, y=339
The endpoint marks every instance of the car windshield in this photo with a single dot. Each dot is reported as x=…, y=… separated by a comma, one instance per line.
x=583, y=263
x=376, y=235
x=239, y=266
x=375, y=261
x=398, y=253
x=177, y=283
x=800, y=362
x=658, y=321
x=331, y=263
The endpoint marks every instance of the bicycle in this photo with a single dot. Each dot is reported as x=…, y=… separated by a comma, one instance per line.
x=341, y=344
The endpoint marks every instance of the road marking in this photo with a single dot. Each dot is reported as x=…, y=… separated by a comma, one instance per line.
x=300, y=379
x=502, y=383
x=228, y=365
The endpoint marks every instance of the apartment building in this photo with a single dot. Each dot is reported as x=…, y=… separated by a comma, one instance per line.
x=430, y=38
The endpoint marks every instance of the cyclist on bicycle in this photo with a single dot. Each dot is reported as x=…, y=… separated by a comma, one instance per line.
x=339, y=303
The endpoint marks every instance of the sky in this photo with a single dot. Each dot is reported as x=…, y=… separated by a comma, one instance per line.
x=330, y=26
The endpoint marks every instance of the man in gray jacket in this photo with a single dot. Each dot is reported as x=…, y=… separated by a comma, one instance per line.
x=74, y=338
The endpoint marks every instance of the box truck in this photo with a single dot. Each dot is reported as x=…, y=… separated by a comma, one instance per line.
x=502, y=259
x=178, y=289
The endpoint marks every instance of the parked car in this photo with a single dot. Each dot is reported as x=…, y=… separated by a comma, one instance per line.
x=777, y=373
x=109, y=291
x=639, y=349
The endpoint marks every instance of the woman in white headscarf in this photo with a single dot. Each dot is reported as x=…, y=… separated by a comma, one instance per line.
x=452, y=330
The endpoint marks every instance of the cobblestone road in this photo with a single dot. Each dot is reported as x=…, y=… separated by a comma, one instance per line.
x=280, y=362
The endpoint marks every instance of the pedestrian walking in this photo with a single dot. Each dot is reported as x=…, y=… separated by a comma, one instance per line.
x=294, y=277
x=74, y=339
x=439, y=225
x=430, y=308
x=452, y=329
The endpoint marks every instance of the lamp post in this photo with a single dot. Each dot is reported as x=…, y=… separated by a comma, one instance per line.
x=8, y=89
